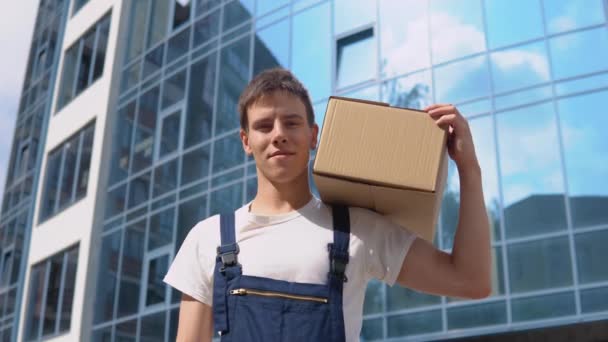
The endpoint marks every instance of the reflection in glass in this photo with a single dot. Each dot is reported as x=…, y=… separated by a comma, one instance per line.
x=160, y=231
x=200, y=101
x=165, y=178
x=169, y=137
x=541, y=264
x=594, y=300
x=404, y=36
x=49, y=198
x=68, y=289
x=585, y=151
x=236, y=13
x=519, y=98
x=226, y=199
x=463, y=80
x=352, y=14
x=84, y=162
x=311, y=47
x=272, y=47
x=412, y=91
x=264, y=6
x=157, y=22
x=69, y=170
x=196, y=164
x=566, y=15
x=356, y=60
x=153, y=328
x=34, y=309
x=373, y=329
x=234, y=68
x=126, y=331
x=548, y=306
x=520, y=67
x=591, y=256
x=374, y=300
x=178, y=45
x=131, y=270
x=501, y=16
x=206, y=28
x=181, y=12
x=576, y=47
x=106, y=280
x=456, y=30
x=174, y=89
x=227, y=153
x=470, y=316
x=190, y=212
x=157, y=268
x=398, y=298
x=415, y=323
x=137, y=25
x=139, y=190
x=144, y=129
x=153, y=61
x=531, y=171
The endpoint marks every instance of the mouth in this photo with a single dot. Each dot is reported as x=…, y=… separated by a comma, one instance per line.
x=280, y=154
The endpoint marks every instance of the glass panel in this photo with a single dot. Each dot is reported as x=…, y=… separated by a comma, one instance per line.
x=197, y=164
x=200, y=101
x=585, y=150
x=236, y=13
x=412, y=91
x=520, y=67
x=588, y=48
x=173, y=322
x=549, y=306
x=153, y=61
x=531, y=171
x=102, y=43
x=131, y=269
x=156, y=287
x=206, y=28
x=594, y=300
x=51, y=183
x=565, y=15
x=181, y=12
x=102, y=335
x=153, y=328
x=144, y=130
x=178, y=45
x=413, y=324
x=190, y=213
x=472, y=316
x=165, y=178
x=85, y=61
x=523, y=97
x=463, y=80
x=581, y=84
x=67, y=75
x=373, y=329
x=35, y=305
x=234, y=68
x=115, y=203
x=591, y=256
x=85, y=162
x=374, y=299
x=139, y=190
x=203, y=6
x=69, y=168
x=311, y=47
x=404, y=36
x=137, y=30
x=130, y=77
x=158, y=22
x=174, y=89
x=398, y=298
x=264, y=6
x=126, y=331
x=161, y=229
x=226, y=199
x=227, y=153
x=106, y=281
x=356, y=61
x=170, y=133
x=121, y=143
x=456, y=30
x=52, y=295
x=272, y=47
x=349, y=15
x=501, y=15
x=538, y=265
x=68, y=290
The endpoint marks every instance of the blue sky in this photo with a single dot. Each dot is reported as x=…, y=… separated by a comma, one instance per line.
x=16, y=25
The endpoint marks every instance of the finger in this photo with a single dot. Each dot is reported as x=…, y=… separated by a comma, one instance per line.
x=436, y=105
x=446, y=121
x=437, y=112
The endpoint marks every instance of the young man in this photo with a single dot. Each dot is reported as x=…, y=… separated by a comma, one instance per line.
x=280, y=239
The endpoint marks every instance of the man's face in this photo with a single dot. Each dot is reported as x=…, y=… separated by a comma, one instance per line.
x=279, y=137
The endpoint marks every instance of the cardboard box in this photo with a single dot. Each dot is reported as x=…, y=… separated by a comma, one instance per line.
x=391, y=160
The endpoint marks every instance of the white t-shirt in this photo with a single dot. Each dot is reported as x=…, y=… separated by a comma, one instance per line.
x=293, y=247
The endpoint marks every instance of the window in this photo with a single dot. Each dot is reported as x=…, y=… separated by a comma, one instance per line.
x=181, y=12
x=356, y=58
x=51, y=295
x=78, y=5
x=67, y=172
x=84, y=61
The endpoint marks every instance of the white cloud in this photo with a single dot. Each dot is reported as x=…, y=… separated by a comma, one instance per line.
x=509, y=60
x=452, y=39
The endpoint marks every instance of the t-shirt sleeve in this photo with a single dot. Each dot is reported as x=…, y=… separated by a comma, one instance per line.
x=387, y=245
x=191, y=272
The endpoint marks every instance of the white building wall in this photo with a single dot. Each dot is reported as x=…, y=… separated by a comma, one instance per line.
x=75, y=223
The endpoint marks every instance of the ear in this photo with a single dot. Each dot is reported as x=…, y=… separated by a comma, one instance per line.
x=315, y=135
x=245, y=140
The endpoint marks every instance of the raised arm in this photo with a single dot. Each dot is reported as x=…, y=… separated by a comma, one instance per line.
x=195, y=321
x=466, y=271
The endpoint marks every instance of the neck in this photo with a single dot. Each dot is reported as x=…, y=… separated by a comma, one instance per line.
x=279, y=198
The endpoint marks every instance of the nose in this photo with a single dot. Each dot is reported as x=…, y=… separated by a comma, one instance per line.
x=279, y=136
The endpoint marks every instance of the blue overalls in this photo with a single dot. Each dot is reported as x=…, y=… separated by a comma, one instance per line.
x=251, y=309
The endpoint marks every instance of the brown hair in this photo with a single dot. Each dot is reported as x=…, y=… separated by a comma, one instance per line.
x=269, y=81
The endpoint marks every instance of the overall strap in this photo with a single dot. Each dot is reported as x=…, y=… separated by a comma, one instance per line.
x=226, y=268
x=338, y=259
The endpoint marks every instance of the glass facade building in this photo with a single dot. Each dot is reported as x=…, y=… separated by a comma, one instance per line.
x=531, y=77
